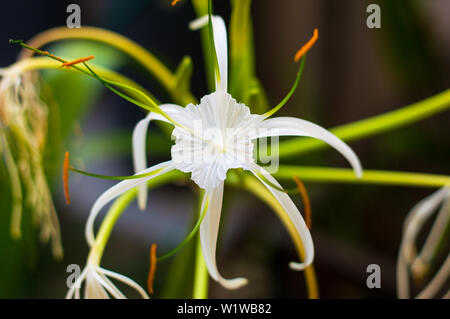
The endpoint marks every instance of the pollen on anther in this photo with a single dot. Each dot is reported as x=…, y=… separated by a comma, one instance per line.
x=77, y=61
x=305, y=48
x=174, y=2
x=152, y=269
x=305, y=198
x=66, y=178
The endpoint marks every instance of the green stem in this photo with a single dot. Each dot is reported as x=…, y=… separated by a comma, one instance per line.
x=129, y=47
x=373, y=125
x=109, y=222
x=43, y=63
x=201, y=276
x=342, y=175
x=201, y=9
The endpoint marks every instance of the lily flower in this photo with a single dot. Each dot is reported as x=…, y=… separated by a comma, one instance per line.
x=97, y=284
x=213, y=137
x=418, y=264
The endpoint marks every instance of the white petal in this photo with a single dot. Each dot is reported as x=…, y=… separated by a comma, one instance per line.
x=402, y=277
x=111, y=289
x=209, y=230
x=112, y=286
x=220, y=42
x=291, y=126
x=126, y=281
x=139, y=142
x=434, y=237
x=93, y=289
x=76, y=285
x=117, y=190
x=293, y=213
x=418, y=215
x=416, y=218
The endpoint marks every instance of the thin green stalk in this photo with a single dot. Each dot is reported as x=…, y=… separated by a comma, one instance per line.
x=186, y=240
x=211, y=43
x=373, y=125
x=124, y=44
x=342, y=175
x=43, y=63
x=291, y=91
x=201, y=276
x=119, y=206
x=109, y=222
x=201, y=9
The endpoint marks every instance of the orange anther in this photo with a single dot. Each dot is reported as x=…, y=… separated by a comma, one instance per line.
x=66, y=178
x=80, y=60
x=174, y=2
x=152, y=269
x=307, y=46
x=305, y=198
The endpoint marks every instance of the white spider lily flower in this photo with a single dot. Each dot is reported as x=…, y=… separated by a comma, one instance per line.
x=409, y=261
x=213, y=137
x=97, y=285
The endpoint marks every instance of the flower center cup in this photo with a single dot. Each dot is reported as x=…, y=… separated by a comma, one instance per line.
x=219, y=137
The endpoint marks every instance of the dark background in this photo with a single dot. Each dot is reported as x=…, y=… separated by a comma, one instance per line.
x=353, y=72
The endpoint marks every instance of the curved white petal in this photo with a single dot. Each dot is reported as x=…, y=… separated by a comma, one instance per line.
x=76, y=285
x=418, y=215
x=93, y=288
x=285, y=126
x=126, y=281
x=113, y=292
x=434, y=237
x=209, y=229
x=119, y=189
x=139, y=142
x=402, y=277
x=220, y=42
x=293, y=213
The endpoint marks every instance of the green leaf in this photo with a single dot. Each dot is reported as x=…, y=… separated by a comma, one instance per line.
x=183, y=74
x=242, y=55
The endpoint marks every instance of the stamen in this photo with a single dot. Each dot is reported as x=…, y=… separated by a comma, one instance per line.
x=189, y=237
x=152, y=270
x=37, y=51
x=136, y=176
x=301, y=53
x=77, y=61
x=305, y=198
x=174, y=2
x=66, y=167
x=307, y=46
x=153, y=107
x=213, y=46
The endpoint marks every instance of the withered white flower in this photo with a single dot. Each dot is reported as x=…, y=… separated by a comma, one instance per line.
x=97, y=284
x=23, y=136
x=211, y=138
x=418, y=264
